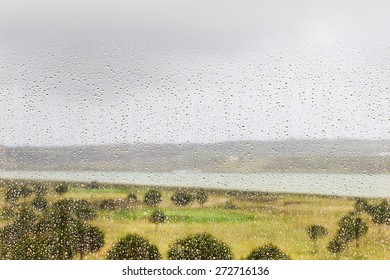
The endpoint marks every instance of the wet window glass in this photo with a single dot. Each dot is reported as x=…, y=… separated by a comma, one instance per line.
x=197, y=130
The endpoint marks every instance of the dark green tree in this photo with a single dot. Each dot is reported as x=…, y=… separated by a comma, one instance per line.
x=133, y=247
x=268, y=252
x=315, y=232
x=93, y=185
x=199, y=247
x=61, y=188
x=157, y=217
x=336, y=246
x=201, y=197
x=12, y=194
x=380, y=213
x=132, y=197
x=351, y=227
x=86, y=239
x=181, y=198
x=152, y=198
x=362, y=205
x=39, y=203
x=40, y=189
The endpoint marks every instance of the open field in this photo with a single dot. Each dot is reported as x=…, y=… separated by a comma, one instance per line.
x=243, y=220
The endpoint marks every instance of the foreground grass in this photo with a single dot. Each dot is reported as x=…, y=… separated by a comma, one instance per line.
x=257, y=219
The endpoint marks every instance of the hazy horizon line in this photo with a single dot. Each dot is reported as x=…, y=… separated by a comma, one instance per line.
x=198, y=143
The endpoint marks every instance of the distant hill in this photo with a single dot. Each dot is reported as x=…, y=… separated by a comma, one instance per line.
x=333, y=156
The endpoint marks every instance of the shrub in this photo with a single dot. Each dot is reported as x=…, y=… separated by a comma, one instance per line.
x=181, y=198
x=113, y=204
x=39, y=203
x=132, y=197
x=199, y=247
x=201, y=197
x=314, y=232
x=267, y=252
x=157, y=217
x=40, y=189
x=12, y=194
x=152, y=198
x=133, y=247
x=380, y=214
x=362, y=205
x=336, y=246
x=351, y=227
x=229, y=205
x=93, y=185
x=61, y=188
x=87, y=239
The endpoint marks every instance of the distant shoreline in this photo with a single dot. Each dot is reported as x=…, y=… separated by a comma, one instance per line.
x=345, y=185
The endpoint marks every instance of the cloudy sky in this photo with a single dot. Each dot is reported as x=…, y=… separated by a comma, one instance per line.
x=96, y=72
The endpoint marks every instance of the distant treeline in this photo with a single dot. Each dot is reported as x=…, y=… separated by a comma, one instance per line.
x=333, y=156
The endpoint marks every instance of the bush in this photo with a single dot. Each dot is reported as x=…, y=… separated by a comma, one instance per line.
x=40, y=189
x=93, y=185
x=336, y=246
x=113, y=204
x=39, y=203
x=229, y=205
x=201, y=197
x=314, y=232
x=380, y=214
x=61, y=188
x=12, y=194
x=351, y=227
x=199, y=247
x=152, y=198
x=80, y=209
x=87, y=239
x=157, y=217
x=132, y=197
x=268, y=252
x=181, y=198
x=362, y=205
x=133, y=247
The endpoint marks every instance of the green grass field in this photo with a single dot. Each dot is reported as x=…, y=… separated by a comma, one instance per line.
x=255, y=220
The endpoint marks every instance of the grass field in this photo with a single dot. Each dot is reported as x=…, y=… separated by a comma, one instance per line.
x=256, y=219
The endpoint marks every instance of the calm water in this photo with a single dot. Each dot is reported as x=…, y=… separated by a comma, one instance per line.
x=337, y=184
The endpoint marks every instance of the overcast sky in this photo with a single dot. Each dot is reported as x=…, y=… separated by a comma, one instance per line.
x=96, y=72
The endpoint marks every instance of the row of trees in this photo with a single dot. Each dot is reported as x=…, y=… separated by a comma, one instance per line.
x=181, y=198
x=194, y=247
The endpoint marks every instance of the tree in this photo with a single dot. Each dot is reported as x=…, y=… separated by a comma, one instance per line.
x=84, y=210
x=201, y=197
x=79, y=209
x=12, y=194
x=132, y=197
x=87, y=239
x=93, y=185
x=157, y=217
x=181, y=198
x=133, y=247
x=380, y=214
x=351, y=227
x=267, y=252
x=199, y=247
x=61, y=188
x=315, y=232
x=39, y=203
x=152, y=198
x=362, y=205
x=336, y=246
x=40, y=189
